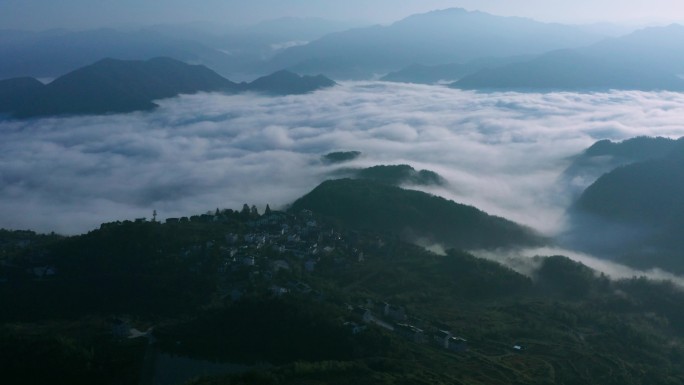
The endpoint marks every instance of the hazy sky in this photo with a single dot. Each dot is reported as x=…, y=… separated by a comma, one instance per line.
x=79, y=14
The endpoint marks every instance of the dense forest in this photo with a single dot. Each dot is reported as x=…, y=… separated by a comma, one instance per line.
x=298, y=298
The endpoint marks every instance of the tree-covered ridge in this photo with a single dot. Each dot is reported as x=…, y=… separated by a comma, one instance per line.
x=340, y=156
x=400, y=174
x=290, y=293
x=395, y=174
x=412, y=215
x=605, y=155
x=639, y=148
x=645, y=192
x=635, y=212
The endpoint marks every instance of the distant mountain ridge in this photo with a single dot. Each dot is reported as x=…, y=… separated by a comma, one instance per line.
x=285, y=83
x=54, y=53
x=432, y=74
x=111, y=86
x=445, y=36
x=648, y=59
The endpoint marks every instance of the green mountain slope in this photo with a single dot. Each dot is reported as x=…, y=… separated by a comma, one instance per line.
x=605, y=156
x=369, y=205
x=186, y=283
x=635, y=212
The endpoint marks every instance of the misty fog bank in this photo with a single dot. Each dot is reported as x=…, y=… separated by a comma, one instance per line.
x=501, y=152
x=528, y=261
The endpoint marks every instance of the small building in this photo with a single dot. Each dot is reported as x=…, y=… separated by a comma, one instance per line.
x=306, y=213
x=279, y=291
x=302, y=287
x=363, y=313
x=172, y=220
x=120, y=328
x=458, y=344
x=354, y=327
x=280, y=264
x=442, y=338
x=43, y=271
x=410, y=332
x=248, y=261
x=236, y=295
x=396, y=313
x=310, y=265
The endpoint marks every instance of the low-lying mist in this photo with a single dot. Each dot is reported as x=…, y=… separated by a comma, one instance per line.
x=526, y=261
x=501, y=152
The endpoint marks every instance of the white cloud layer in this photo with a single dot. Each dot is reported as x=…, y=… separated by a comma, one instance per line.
x=500, y=152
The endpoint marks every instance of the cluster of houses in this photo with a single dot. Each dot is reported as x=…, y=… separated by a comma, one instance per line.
x=34, y=263
x=394, y=318
x=263, y=245
x=283, y=242
x=253, y=256
x=255, y=253
x=280, y=242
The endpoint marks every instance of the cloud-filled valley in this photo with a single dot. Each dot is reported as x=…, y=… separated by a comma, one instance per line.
x=501, y=152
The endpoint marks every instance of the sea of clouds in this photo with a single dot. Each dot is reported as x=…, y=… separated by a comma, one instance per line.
x=501, y=152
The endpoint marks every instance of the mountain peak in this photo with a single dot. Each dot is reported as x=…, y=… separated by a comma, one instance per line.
x=113, y=85
x=284, y=82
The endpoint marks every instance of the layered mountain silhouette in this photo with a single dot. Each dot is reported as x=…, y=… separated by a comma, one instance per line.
x=18, y=92
x=649, y=59
x=340, y=156
x=413, y=215
x=111, y=85
x=228, y=50
x=636, y=211
x=656, y=48
x=432, y=74
x=649, y=192
x=433, y=38
x=287, y=83
x=605, y=156
x=54, y=53
x=400, y=174
x=396, y=175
